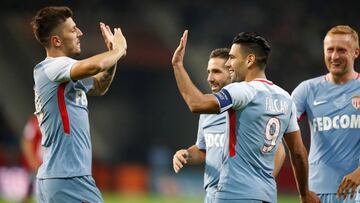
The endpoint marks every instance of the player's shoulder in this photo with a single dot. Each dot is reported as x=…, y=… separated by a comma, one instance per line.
x=236, y=85
x=306, y=86
x=313, y=81
x=268, y=86
x=280, y=90
x=51, y=61
x=60, y=59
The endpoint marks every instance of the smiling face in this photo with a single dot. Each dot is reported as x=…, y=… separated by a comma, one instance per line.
x=340, y=52
x=218, y=74
x=68, y=38
x=236, y=64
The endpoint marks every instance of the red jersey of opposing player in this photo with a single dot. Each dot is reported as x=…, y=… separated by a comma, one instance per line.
x=31, y=144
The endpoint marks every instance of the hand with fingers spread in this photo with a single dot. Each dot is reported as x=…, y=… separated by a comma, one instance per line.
x=178, y=57
x=180, y=159
x=349, y=184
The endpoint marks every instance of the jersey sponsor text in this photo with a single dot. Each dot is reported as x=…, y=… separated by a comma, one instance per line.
x=337, y=122
x=214, y=139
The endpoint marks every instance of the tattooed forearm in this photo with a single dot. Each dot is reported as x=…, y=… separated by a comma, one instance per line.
x=102, y=82
x=107, y=76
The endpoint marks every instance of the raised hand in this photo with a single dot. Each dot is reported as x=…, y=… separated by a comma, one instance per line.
x=119, y=40
x=178, y=57
x=107, y=35
x=180, y=159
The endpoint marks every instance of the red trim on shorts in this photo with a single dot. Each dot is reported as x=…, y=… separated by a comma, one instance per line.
x=232, y=134
x=264, y=81
x=62, y=107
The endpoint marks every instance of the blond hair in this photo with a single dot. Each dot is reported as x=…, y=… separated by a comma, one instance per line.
x=345, y=30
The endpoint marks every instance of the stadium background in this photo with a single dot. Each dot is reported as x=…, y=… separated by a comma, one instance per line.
x=142, y=120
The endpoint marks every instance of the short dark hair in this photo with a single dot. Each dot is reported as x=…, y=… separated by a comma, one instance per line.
x=253, y=42
x=47, y=19
x=220, y=53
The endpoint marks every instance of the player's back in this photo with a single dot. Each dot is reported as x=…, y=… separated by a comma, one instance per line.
x=61, y=108
x=259, y=117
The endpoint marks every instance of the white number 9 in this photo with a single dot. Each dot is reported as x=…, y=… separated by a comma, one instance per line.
x=272, y=131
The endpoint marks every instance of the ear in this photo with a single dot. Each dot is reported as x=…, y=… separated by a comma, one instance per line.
x=250, y=60
x=357, y=51
x=55, y=41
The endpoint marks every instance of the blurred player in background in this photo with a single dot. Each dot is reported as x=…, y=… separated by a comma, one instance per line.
x=61, y=86
x=259, y=114
x=209, y=147
x=31, y=149
x=331, y=103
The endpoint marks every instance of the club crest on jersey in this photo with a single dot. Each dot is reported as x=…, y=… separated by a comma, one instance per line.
x=355, y=101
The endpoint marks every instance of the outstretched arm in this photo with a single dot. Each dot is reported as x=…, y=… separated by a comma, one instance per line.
x=350, y=181
x=298, y=157
x=192, y=155
x=196, y=100
x=100, y=63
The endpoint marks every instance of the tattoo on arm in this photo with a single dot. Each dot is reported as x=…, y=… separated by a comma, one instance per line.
x=102, y=82
x=107, y=75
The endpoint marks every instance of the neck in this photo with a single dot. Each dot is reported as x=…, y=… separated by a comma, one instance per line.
x=342, y=79
x=54, y=53
x=255, y=73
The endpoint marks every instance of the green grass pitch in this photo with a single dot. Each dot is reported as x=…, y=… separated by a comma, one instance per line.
x=116, y=198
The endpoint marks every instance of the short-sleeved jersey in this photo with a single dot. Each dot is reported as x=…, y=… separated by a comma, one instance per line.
x=333, y=113
x=259, y=115
x=61, y=108
x=211, y=138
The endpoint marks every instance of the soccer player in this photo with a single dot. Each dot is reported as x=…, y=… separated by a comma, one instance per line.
x=31, y=149
x=61, y=86
x=259, y=114
x=211, y=132
x=331, y=103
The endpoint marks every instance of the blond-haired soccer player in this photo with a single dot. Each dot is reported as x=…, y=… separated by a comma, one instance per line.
x=331, y=103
